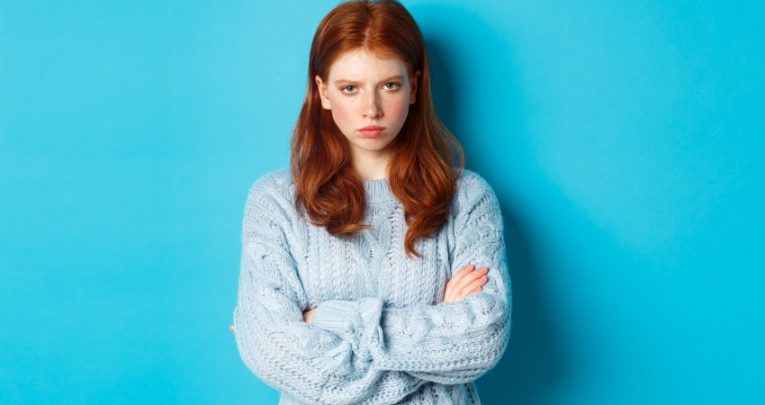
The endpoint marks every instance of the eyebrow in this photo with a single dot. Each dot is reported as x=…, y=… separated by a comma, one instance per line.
x=396, y=77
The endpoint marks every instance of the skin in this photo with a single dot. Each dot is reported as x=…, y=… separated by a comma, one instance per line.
x=364, y=89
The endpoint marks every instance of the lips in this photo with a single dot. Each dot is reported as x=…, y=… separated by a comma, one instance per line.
x=371, y=131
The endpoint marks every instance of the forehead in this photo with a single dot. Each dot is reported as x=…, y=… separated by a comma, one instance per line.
x=360, y=64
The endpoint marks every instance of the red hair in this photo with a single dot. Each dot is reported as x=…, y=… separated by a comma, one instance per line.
x=421, y=173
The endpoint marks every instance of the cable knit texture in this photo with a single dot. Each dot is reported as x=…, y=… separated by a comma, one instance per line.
x=380, y=333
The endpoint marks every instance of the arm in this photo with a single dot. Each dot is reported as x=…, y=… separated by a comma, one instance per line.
x=444, y=343
x=308, y=363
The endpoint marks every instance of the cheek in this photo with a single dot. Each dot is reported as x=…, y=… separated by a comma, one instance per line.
x=397, y=110
x=342, y=112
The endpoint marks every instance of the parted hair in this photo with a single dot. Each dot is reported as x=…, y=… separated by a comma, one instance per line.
x=426, y=160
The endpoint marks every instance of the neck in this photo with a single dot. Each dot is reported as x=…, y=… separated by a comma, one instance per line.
x=371, y=167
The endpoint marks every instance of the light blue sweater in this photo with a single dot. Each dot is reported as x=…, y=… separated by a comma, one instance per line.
x=380, y=333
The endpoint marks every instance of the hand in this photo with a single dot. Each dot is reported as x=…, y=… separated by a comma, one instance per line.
x=465, y=282
x=308, y=315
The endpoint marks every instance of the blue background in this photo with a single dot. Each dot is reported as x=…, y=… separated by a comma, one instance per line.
x=624, y=141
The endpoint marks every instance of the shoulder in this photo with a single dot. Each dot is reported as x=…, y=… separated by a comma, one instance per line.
x=472, y=189
x=472, y=181
x=274, y=191
x=274, y=184
x=276, y=181
x=476, y=213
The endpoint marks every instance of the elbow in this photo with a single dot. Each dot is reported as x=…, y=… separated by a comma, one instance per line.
x=492, y=356
x=250, y=351
x=477, y=363
x=495, y=348
x=500, y=337
x=494, y=338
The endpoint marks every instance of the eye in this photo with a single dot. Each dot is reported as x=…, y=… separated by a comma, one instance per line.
x=348, y=89
x=392, y=86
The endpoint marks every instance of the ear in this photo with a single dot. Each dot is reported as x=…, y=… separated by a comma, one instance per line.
x=323, y=93
x=413, y=85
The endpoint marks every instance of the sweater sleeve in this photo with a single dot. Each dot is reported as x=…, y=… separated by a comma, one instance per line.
x=308, y=363
x=444, y=343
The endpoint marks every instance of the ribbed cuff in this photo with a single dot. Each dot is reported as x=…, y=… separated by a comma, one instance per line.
x=335, y=315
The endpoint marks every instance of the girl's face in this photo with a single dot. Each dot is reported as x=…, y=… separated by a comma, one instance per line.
x=369, y=98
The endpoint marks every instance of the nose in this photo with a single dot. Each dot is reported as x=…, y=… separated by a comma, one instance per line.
x=372, y=107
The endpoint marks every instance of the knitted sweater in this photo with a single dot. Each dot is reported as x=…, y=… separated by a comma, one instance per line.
x=380, y=333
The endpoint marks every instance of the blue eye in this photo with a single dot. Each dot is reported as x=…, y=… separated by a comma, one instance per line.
x=392, y=86
x=348, y=89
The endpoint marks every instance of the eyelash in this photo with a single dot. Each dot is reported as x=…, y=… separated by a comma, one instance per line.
x=349, y=89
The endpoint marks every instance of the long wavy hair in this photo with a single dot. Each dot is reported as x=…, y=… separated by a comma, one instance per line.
x=426, y=158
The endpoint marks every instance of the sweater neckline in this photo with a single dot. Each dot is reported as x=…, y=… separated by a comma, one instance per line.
x=378, y=191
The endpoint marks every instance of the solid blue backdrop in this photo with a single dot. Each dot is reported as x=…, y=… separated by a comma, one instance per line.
x=624, y=141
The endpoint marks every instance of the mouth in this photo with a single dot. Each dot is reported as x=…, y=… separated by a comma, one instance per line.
x=371, y=131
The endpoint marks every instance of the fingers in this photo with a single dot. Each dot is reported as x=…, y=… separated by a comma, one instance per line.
x=452, y=285
x=462, y=281
x=308, y=316
x=465, y=270
x=475, y=285
x=465, y=282
x=458, y=278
